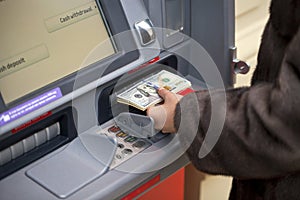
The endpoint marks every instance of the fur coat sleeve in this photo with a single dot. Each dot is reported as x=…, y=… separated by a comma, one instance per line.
x=261, y=134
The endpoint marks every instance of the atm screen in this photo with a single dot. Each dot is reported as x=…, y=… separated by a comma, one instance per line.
x=43, y=41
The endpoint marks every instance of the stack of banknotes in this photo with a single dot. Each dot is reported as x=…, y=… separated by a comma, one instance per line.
x=143, y=93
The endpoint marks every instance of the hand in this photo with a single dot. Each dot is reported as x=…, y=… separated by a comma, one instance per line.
x=163, y=114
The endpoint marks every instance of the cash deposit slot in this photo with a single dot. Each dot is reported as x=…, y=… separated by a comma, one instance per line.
x=107, y=99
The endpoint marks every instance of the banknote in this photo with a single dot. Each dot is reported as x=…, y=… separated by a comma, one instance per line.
x=169, y=80
x=143, y=94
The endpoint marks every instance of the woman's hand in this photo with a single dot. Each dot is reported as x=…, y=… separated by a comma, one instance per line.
x=163, y=114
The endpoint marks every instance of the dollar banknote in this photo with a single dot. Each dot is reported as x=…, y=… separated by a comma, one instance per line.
x=143, y=94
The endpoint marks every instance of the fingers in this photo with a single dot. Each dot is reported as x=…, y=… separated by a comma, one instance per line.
x=163, y=114
x=159, y=115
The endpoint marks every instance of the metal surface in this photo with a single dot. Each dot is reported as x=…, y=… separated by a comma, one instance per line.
x=145, y=31
x=238, y=66
x=137, y=125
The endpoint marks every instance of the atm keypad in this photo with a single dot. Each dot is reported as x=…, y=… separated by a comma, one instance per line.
x=128, y=145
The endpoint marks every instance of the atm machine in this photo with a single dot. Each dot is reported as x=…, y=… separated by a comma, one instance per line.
x=61, y=64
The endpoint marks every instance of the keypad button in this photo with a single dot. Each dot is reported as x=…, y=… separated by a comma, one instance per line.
x=121, y=146
x=130, y=139
x=118, y=156
x=139, y=144
x=121, y=135
x=114, y=129
x=127, y=151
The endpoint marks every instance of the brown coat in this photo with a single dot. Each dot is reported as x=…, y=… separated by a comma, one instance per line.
x=260, y=142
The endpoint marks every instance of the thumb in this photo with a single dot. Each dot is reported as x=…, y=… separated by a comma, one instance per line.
x=168, y=96
x=163, y=93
